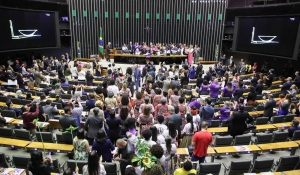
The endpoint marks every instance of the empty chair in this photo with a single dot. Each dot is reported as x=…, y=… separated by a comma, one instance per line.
x=22, y=134
x=215, y=123
x=43, y=85
x=4, y=160
x=56, y=166
x=32, y=92
x=25, y=102
x=248, y=108
x=11, y=89
x=71, y=164
x=8, y=113
x=66, y=96
x=259, y=97
x=224, y=124
x=260, y=108
x=210, y=168
x=16, y=101
x=289, y=117
x=52, y=95
x=6, y=132
x=242, y=140
x=73, y=82
x=3, y=99
x=262, y=120
x=110, y=168
x=278, y=119
x=21, y=161
x=263, y=165
x=223, y=141
x=88, y=90
x=39, y=93
x=287, y=163
x=276, y=94
x=58, y=105
x=280, y=136
x=263, y=138
x=65, y=88
x=59, y=139
x=42, y=103
x=83, y=98
x=296, y=135
x=46, y=136
x=237, y=167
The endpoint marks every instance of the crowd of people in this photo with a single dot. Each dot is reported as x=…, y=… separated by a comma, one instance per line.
x=143, y=102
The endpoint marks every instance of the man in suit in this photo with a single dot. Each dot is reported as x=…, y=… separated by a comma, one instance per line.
x=297, y=79
x=175, y=117
x=286, y=86
x=108, y=47
x=66, y=121
x=137, y=77
x=237, y=121
x=130, y=47
x=259, y=87
x=50, y=110
x=230, y=62
x=268, y=107
x=38, y=77
x=238, y=92
x=243, y=69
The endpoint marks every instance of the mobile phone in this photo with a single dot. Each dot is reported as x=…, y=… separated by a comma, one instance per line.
x=48, y=155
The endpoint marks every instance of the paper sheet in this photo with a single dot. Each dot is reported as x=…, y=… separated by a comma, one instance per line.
x=242, y=148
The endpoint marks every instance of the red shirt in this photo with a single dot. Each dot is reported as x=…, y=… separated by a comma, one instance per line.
x=202, y=139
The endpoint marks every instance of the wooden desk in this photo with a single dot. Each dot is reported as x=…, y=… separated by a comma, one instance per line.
x=3, y=104
x=279, y=145
x=50, y=146
x=182, y=151
x=274, y=173
x=85, y=59
x=9, y=119
x=14, y=94
x=264, y=127
x=297, y=141
x=283, y=125
x=231, y=149
x=217, y=130
x=292, y=172
x=54, y=124
x=277, y=82
x=13, y=142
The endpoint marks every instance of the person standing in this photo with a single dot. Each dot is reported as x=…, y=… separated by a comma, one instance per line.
x=66, y=121
x=201, y=140
x=93, y=124
x=286, y=86
x=137, y=77
x=268, y=107
x=28, y=118
x=175, y=118
x=190, y=55
x=125, y=149
x=207, y=112
x=108, y=47
x=269, y=78
x=237, y=121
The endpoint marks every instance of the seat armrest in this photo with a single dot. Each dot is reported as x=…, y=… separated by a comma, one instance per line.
x=63, y=166
x=226, y=168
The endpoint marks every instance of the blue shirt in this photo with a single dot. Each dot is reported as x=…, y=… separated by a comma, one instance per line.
x=207, y=112
x=64, y=84
x=292, y=129
x=104, y=150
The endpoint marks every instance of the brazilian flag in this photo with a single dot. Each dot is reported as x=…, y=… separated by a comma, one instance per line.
x=101, y=44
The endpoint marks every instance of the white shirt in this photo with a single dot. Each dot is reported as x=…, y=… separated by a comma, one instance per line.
x=138, y=170
x=114, y=89
x=171, y=74
x=191, y=50
x=160, y=139
x=86, y=171
x=196, y=119
x=74, y=71
x=161, y=127
x=24, y=71
x=150, y=142
x=168, y=154
x=187, y=128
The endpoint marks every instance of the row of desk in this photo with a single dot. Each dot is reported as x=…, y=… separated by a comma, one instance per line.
x=264, y=127
x=246, y=149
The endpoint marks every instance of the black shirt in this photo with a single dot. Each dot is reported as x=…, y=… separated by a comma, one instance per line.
x=269, y=80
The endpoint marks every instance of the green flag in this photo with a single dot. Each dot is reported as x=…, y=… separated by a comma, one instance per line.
x=101, y=44
x=78, y=50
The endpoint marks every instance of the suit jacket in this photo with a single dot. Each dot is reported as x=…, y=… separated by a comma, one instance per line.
x=49, y=110
x=238, y=93
x=237, y=122
x=285, y=87
x=38, y=77
x=259, y=88
x=297, y=81
x=254, y=82
x=268, y=111
x=137, y=74
x=66, y=121
x=176, y=118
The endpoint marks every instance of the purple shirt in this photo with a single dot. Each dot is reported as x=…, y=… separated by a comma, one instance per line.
x=192, y=73
x=204, y=90
x=225, y=113
x=195, y=103
x=227, y=93
x=214, y=89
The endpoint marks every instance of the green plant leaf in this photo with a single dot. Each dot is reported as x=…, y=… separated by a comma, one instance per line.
x=66, y=132
x=135, y=159
x=35, y=121
x=40, y=125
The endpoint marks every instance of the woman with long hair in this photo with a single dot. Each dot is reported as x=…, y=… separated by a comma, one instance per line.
x=188, y=132
x=171, y=131
x=137, y=104
x=146, y=119
x=125, y=90
x=94, y=166
x=251, y=98
x=103, y=146
x=169, y=150
x=98, y=70
x=89, y=78
x=81, y=146
x=228, y=90
x=174, y=99
x=204, y=88
x=157, y=97
x=38, y=165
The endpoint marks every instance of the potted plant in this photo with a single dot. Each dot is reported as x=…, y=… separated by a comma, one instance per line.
x=143, y=157
x=39, y=126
